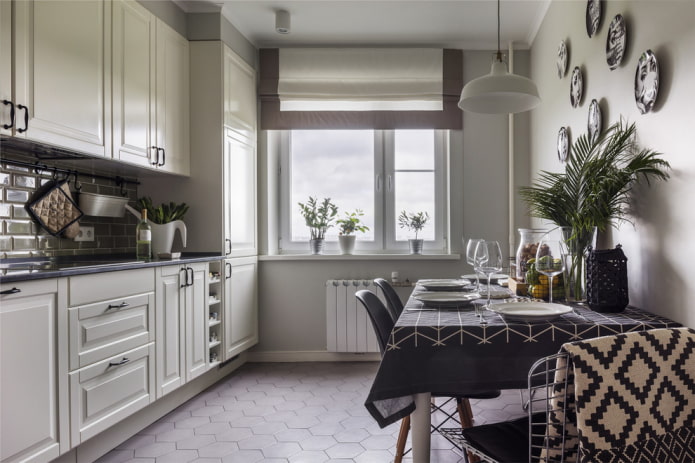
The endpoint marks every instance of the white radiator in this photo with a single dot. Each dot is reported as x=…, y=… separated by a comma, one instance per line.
x=348, y=328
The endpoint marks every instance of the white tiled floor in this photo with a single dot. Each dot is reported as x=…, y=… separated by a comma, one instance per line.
x=287, y=412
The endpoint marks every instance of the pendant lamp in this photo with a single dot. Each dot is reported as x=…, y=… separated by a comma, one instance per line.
x=499, y=92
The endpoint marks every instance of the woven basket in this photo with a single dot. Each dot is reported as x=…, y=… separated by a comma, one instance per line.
x=606, y=280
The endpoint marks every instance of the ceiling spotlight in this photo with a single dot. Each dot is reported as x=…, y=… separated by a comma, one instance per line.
x=282, y=22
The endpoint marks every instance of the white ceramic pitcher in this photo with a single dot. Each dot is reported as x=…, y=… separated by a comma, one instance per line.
x=163, y=234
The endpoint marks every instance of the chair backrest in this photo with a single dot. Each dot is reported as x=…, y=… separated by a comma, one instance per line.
x=379, y=315
x=395, y=305
x=634, y=396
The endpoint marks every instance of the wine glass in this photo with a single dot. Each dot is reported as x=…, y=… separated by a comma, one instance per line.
x=550, y=258
x=470, y=258
x=488, y=260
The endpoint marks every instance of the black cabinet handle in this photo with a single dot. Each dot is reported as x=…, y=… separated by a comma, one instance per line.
x=156, y=152
x=164, y=157
x=227, y=270
x=227, y=246
x=185, y=277
x=122, y=362
x=9, y=126
x=26, y=118
x=11, y=291
x=189, y=269
x=122, y=305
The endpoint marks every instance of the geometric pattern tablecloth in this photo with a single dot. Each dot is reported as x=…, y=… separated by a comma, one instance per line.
x=449, y=352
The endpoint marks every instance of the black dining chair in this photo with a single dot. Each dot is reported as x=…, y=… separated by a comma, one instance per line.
x=393, y=302
x=383, y=323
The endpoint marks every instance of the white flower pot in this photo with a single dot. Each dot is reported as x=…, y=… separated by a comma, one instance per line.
x=347, y=243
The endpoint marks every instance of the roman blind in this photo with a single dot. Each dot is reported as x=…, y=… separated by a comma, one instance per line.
x=360, y=88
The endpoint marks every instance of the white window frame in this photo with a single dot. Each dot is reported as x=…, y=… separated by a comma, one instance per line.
x=385, y=232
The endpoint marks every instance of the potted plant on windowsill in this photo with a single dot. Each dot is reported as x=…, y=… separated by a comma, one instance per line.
x=414, y=221
x=348, y=225
x=318, y=218
x=592, y=193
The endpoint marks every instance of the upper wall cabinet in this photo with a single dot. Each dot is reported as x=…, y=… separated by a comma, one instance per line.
x=239, y=95
x=150, y=91
x=59, y=83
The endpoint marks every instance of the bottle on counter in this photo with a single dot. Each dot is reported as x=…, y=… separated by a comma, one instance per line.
x=143, y=238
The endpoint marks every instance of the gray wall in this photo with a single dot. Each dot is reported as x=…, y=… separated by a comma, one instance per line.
x=659, y=247
x=292, y=292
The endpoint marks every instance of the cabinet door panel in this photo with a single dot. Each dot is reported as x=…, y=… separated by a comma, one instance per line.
x=173, y=99
x=30, y=348
x=169, y=321
x=241, y=312
x=196, y=325
x=133, y=77
x=60, y=73
x=240, y=185
x=5, y=66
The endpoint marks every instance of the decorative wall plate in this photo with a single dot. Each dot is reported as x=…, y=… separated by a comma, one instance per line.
x=593, y=16
x=576, y=87
x=594, y=123
x=563, y=144
x=561, y=59
x=646, y=82
x=615, y=42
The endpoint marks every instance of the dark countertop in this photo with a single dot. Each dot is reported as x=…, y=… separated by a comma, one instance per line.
x=16, y=270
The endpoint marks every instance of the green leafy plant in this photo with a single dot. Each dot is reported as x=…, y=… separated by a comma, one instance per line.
x=352, y=223
x=414, y=221
x=594, y=190
x=318, y=217
x=164, y=213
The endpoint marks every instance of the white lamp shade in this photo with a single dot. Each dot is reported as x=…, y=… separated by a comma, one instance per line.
x=499, y=92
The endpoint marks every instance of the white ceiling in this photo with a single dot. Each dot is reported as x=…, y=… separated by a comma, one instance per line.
x=466, y=24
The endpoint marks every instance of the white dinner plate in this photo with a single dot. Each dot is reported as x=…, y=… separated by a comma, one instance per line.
x=446, y=298
x=530, y=311
x=483, y=279
x=444, y=285
x=495, y=293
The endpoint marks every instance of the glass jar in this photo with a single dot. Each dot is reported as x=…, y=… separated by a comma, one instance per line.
x=528, y=244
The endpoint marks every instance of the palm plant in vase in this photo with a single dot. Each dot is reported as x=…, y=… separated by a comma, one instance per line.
x=318, y=217
x=348, y=225
x=414, y=221
x=593, y=192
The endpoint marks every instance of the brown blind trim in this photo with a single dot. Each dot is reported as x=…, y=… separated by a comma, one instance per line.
x=451, y=117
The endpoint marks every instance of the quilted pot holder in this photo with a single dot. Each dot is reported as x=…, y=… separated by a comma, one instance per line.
x=53, y=208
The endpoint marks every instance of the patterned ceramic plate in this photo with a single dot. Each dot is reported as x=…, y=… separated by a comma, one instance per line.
x=530, y=311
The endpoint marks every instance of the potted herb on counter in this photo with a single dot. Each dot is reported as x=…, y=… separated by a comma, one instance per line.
x=319, y=218
x=414, y=221
x=348, y=225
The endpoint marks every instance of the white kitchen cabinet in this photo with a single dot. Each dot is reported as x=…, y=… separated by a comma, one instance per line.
x=112, y=334
x=61, y=73
x=215, y=314
x=105, y=392
x=240, y=194
x=223, y=130
x=173, y=105
x=181, y=320
x=34, y=403
x=6, y=102
x=240, y=305
x=150, y=91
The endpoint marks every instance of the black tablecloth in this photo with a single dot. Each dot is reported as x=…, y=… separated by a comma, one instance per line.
x=448, y=351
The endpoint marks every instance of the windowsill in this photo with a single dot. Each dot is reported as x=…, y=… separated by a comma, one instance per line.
x=341, y=257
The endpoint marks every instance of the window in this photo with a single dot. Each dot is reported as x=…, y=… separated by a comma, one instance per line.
x=381, y=172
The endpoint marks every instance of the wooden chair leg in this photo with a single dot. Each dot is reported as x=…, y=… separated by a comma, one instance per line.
x=466, y=417
x=402, y=438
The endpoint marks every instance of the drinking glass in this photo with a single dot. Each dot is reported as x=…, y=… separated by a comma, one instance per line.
x=470, y=258
x=550, y=258
x=488, y=260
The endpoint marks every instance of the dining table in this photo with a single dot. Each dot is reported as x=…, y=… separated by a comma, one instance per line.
x=437, y=349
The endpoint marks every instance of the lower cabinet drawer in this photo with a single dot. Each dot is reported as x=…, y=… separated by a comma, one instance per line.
x=104, y=393
x=103, y=329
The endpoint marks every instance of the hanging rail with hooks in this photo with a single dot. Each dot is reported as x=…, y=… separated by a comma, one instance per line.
x=38, y=168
